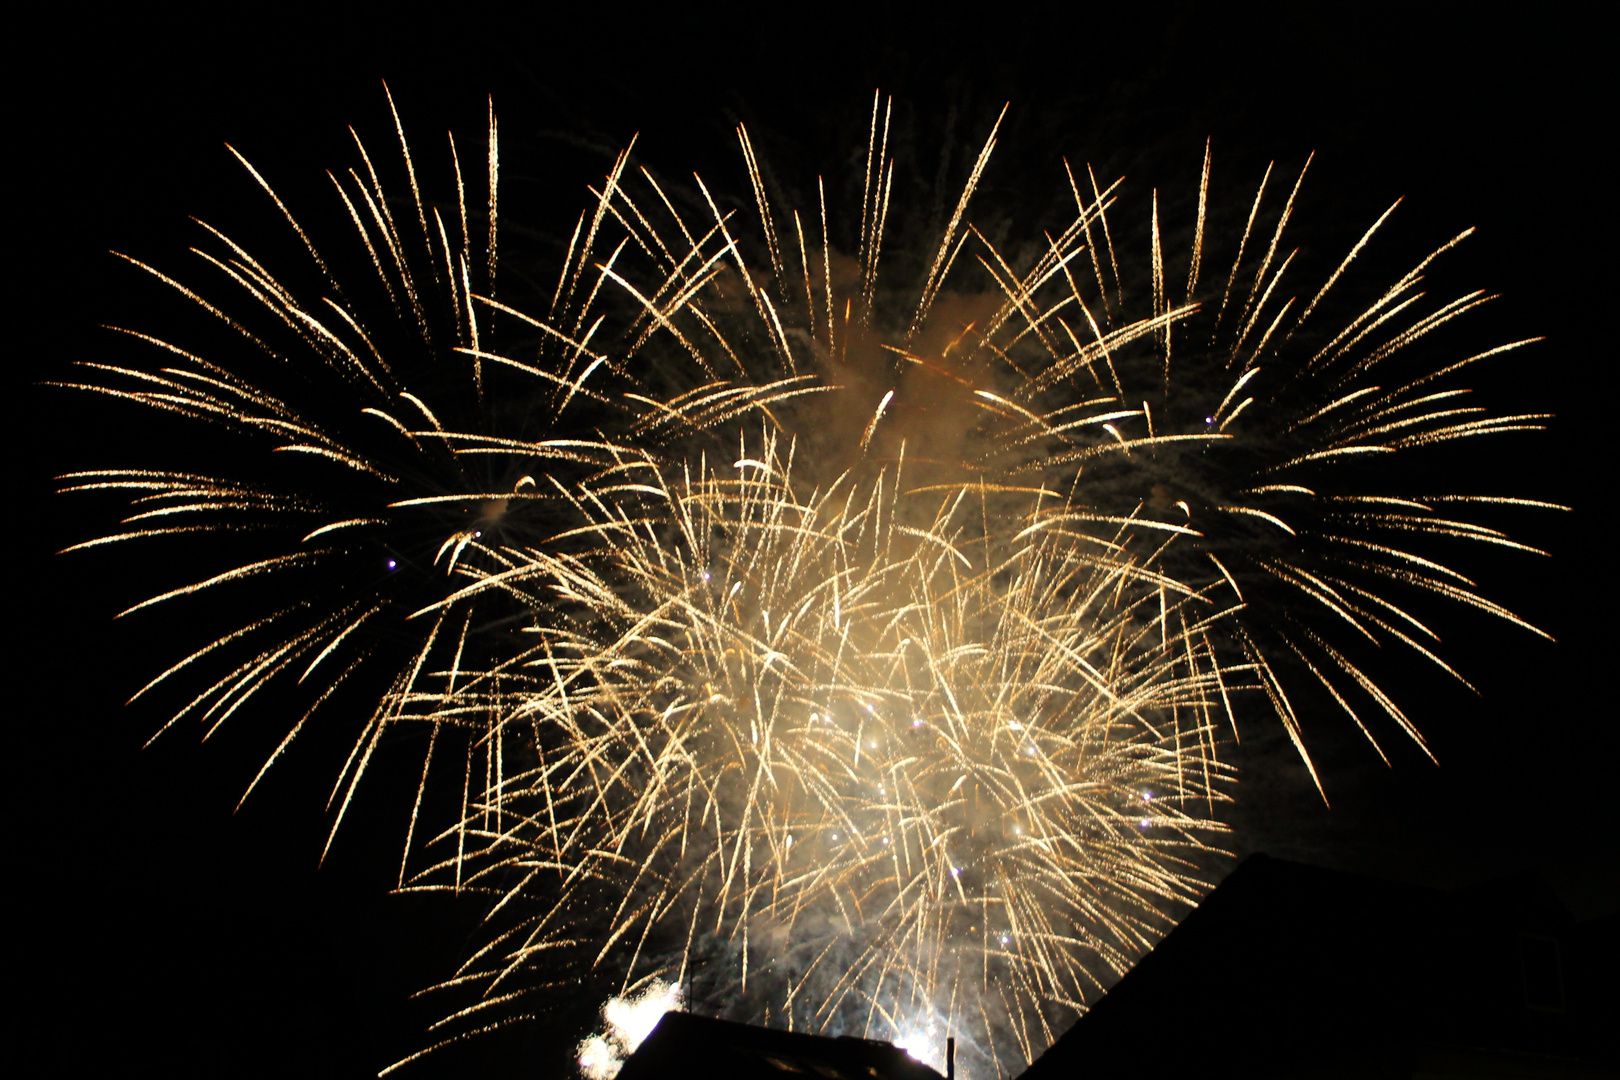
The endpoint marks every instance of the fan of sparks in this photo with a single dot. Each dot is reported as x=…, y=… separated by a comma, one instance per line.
x=854, y=654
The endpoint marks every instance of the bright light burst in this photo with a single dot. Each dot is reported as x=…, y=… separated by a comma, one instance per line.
x=820, y=762
x=852, y=654
x=626, y=1023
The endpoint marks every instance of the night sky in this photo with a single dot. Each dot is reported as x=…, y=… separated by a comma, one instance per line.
x=160, y=927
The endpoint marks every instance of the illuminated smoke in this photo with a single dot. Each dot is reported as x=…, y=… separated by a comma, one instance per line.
x=627, y=1021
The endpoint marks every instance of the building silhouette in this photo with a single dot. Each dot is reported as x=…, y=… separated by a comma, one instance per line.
x=1285, y=971
x=685, y=1046
x=1288, y=970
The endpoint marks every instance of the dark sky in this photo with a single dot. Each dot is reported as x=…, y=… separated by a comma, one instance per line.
x=160, y=927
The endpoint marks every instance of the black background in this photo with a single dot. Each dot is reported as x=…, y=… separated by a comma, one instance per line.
x=161, y=928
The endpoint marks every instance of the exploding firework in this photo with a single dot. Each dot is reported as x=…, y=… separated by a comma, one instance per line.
x=379, y=451
x=1279, y=428
x=852, y=652
x=856, y=775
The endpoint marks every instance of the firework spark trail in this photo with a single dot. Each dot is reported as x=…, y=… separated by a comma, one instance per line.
x=390, y=389
x=812, y=643
x=877, y=772
x=1261, y=432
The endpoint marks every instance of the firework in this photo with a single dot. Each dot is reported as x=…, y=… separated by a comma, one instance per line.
x=1276, y=424
x=855, y=775
x=852, y=652
x=379, y=450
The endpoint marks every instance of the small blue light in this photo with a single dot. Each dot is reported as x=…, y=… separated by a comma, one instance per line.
x=392, y=564
x=1209, y=419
